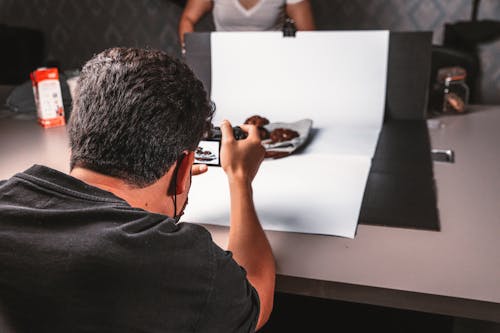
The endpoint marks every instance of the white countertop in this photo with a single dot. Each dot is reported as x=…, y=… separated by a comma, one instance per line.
x=460, y=262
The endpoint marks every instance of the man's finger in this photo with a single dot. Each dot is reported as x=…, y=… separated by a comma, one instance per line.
x=198, y=169
x=252, y=130
x=226, y=130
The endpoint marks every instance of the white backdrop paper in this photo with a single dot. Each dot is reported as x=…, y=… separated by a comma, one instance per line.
x=291, y=194
x=338, y=80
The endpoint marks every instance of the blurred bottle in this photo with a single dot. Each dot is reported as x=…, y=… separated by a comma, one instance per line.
x=453, y=89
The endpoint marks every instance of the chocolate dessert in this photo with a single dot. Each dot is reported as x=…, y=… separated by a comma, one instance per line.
x=257, y=120
x=263, y=133
x=282, y=134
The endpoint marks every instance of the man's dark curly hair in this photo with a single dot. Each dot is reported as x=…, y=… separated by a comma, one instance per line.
x=134, y=112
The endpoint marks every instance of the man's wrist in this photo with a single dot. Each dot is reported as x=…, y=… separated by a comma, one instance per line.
x=241, y=183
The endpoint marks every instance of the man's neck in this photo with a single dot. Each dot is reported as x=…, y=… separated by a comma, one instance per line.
x=152, y=198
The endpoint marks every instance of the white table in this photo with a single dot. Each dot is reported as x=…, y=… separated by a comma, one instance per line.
x=455, y=271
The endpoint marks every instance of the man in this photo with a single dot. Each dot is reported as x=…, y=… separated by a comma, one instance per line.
x=101, y=249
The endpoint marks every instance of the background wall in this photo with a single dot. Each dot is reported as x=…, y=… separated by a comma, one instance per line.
x=77, y=29
x=417, y=15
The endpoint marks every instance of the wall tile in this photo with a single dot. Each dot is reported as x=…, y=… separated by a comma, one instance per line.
x=77, y=29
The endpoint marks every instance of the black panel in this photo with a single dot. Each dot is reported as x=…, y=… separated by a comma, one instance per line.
x=199, y=57
x=400, y=191
x=403, y=143
x=408, y=74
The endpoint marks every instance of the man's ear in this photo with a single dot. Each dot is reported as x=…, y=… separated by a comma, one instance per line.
x=184, y=173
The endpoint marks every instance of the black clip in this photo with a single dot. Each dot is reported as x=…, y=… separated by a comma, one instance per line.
x=289, y=29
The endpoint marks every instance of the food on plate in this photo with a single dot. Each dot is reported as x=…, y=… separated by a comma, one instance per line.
x=276, y=154
x=280, y=139
x=263, y=133
x=257, y=120
x=282, y=134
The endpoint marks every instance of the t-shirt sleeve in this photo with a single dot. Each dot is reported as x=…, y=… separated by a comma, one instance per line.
x=233, y=303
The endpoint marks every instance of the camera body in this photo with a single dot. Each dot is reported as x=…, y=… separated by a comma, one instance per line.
x=216, y=133
x=208, y=151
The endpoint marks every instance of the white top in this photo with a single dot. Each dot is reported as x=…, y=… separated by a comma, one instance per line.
x=265, y=15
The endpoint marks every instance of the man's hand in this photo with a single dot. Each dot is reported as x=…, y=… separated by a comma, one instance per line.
x=241, y=159
x=198, y=169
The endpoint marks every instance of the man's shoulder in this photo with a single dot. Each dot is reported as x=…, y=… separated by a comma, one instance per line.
x=195, y=237
x=194, y=229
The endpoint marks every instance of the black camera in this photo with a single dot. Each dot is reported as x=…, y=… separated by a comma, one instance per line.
x=208, y=151
x=216, y=133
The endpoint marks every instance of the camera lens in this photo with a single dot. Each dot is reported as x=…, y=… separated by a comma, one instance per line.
x=216, y=133
x=239, y=134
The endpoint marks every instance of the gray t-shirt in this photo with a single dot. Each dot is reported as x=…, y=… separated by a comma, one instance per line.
x=265, y=15
x=75, y=258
